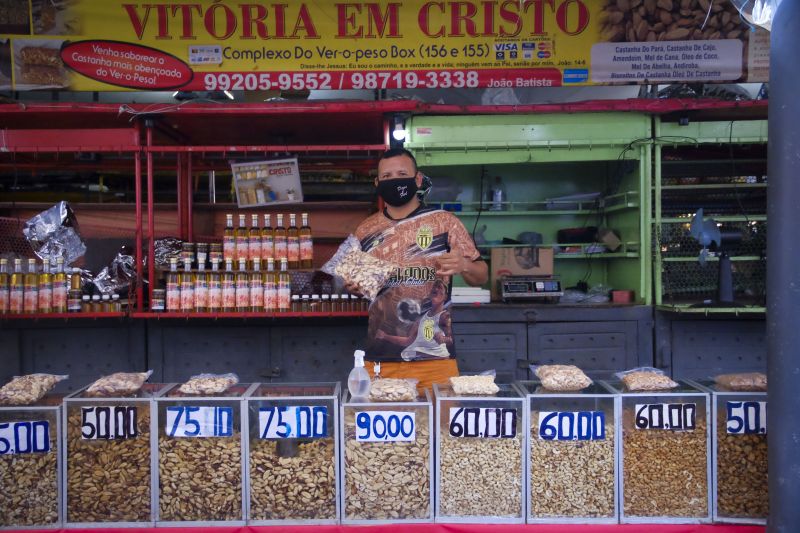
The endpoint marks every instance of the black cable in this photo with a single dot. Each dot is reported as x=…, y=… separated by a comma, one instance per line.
x=480, y=202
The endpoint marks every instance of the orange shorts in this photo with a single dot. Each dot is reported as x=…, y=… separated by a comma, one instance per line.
x=426, y=372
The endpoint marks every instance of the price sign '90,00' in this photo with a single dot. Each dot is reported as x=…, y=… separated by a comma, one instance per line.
x=385, y=426
x=674, y=416
x=483, y=422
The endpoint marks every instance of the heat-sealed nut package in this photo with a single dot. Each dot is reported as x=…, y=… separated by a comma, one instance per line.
x=393, y=390
x=646, y=379
x=367, y=272
x=29, y=389
x=118, y=384
x=482, y=385
x=746, y=382
x=562, y=378
x=205, y=384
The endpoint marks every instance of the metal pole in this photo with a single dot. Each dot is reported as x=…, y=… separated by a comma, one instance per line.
x=783, y=272
x=138, y=186
x=151, y=230
x=212, y=187
x=189, y=198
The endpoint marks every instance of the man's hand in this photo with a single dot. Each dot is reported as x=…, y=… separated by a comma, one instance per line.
x=452, y=263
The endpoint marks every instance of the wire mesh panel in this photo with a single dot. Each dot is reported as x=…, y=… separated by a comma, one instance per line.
x=688, y=281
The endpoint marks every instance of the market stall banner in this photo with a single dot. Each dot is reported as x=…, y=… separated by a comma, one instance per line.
x=91, y=45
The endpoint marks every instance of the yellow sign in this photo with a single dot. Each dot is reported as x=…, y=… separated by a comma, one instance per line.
x=428, y=329
x=424, y=237
x=255, y=45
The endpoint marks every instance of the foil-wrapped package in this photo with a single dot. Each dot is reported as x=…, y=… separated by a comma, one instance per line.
x=164, y=249
x=118, y=277
x=54, y=233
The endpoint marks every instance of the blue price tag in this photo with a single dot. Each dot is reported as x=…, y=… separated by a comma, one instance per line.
x=293, y=422
x=385, y=426
x=24, y=437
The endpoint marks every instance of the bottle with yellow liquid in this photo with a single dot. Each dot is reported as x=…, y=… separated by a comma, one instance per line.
x=60, y=287
x=229, y=239
x=293, y=243
x=228, y=288
x=284, y=287
x=173, y=286
x=187, y=287
x=5, y=287
x=242, y=245
x=45, y=304
x=267, y=245
x=254, y=240
x=201, y=289
x=214, y=289
x=16, y=292
x=31, y=298
x=242, y=288
x=270, y=288
x=256, y=288
x=279, y=239
x=306, y=244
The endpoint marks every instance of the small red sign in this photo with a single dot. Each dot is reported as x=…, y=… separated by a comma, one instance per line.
x=126, y=65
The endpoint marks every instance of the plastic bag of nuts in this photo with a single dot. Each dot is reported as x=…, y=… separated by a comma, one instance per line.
x=118, y=384
x=751, y=381
x=482, y=385
x=29, y=389
x=208, y=384
x=359, y=268
x=562, y=378
x=646, y=379
x=393, y=390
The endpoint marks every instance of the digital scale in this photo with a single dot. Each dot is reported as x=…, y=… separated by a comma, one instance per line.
x=530, y=288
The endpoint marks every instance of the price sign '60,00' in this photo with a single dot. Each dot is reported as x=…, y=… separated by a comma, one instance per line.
x=483, y=422
x=674, y=416
x=572, y=425
x=385, y=426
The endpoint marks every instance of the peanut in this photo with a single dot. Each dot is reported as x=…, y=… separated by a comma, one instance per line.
x=742, y=487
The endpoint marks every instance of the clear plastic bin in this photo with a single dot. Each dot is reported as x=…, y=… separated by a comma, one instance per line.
x=665, y=472
x=572, y=474
x=387, y=461
x=480, y=456
x=201, y=443
x=30, y=464
x=293, y=452
x=109, y=458
x=739, y=466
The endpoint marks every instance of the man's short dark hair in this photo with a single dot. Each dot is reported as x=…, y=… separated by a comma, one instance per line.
x=396, y=152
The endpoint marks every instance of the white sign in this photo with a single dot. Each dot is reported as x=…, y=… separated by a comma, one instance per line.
x=199, y=421
x=24, y=437
x=674, y=416
x=293, y=422
x=572, y=425
x=667, y=61
x=746, y=418
x=103, y=422
x=483, y=422
x=385, y=426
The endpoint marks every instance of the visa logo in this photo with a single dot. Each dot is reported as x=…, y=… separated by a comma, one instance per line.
x=499, y=47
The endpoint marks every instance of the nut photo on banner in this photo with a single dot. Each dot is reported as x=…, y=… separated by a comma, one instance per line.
x=671, y=20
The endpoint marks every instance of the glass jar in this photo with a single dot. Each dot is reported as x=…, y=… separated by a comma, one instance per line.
x=187, y=252
x=158, y=302
x=305, y=305
x=215, y=253
x=202, y=253
x=296, y=303
x=86, y=303
x=336, y=305
x=316, y=304
x=326, y=303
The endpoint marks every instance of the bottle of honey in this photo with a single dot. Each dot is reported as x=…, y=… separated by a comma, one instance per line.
x=306, y=244
x=293, y=243
x=31, y=298
x=45, y=304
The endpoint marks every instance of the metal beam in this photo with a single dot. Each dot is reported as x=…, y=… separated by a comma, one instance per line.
x=783, y=272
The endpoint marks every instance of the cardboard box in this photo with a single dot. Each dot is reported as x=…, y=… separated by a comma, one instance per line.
x=523, y=261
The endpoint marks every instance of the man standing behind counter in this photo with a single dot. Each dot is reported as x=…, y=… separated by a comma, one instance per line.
x=410, y=330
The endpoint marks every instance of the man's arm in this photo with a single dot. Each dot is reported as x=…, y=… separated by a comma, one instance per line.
x=474, y=272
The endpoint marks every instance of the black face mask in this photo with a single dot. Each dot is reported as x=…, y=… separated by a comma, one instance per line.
x=397, y=192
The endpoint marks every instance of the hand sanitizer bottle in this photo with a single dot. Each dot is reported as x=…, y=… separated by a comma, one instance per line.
x=358, y=380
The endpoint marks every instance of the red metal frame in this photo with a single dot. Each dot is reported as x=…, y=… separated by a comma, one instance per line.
x=138, y=187
x=150, y=218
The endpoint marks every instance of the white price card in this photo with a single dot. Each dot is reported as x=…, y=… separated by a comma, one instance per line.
x=386, y=426
x=746, y=418
x=24, y=437
x=483, y=422
x=109, y=423
x=293, y=422
x=674, y=416
x=199, y=421
x=572, y=425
